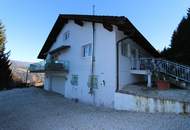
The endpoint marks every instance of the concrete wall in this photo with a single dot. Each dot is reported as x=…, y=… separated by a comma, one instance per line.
x=146, y=104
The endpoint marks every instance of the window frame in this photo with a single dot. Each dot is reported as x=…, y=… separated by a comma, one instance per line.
x=87, y=50
x=66, y=35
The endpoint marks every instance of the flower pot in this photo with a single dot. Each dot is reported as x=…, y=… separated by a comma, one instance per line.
x=162, y=85
x=142, y=66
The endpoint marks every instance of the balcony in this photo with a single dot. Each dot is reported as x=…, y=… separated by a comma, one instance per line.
x=141, y=66
x=141, y=63
x=49, y=66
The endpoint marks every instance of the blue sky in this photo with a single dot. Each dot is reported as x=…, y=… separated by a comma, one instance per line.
x=28, y=22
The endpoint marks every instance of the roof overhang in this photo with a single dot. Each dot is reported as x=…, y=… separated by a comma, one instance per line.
x=122, y=23
x=64, y=47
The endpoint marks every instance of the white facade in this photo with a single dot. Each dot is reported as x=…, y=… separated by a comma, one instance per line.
x=105, y=63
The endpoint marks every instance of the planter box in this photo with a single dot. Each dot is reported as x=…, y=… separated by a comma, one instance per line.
x=162, y=85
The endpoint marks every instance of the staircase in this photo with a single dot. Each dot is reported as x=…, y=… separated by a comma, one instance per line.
x=176, y=73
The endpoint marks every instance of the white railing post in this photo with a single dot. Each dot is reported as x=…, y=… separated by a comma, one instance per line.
x=149, y=84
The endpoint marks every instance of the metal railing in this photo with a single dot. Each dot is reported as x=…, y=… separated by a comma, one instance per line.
x=178, y=71
x=40, y=66
x=175, y=70
x=142, y=63
x=49, y=65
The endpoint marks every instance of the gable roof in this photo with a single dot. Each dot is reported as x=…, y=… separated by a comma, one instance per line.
x=121, y=22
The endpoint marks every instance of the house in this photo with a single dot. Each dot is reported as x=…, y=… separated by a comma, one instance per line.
x=91, y=58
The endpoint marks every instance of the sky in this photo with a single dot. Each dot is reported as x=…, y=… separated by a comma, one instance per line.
x=28, y=22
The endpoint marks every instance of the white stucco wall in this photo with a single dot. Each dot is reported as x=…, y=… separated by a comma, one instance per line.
x=105, y=65
x=78, y=65
x=105, y=61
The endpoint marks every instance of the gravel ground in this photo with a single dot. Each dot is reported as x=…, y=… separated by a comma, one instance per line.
x=36, y=109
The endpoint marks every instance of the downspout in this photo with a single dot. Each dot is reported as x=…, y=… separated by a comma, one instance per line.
x=93, y=58
x=91, y=91
x=117, y=61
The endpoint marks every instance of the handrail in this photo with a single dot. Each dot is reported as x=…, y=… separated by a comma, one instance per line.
x=175, y=70
x=171, y=62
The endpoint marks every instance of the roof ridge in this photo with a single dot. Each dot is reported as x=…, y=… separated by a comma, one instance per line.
x=99, y=15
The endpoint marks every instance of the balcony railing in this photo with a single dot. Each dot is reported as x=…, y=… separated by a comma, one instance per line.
x=50, y=65
x=142, y=63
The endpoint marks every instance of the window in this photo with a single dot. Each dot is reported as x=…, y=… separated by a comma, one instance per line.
x=124, y=49
x=86, y=50
x=74, y=80
x=66, y=35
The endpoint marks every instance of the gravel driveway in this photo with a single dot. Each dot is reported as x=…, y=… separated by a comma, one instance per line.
x=36, y=109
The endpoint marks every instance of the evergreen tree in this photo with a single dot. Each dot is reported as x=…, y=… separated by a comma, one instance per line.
x=5, y=71
x=2, y=38
x=179, y=50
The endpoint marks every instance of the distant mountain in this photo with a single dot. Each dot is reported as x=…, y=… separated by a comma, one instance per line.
x=19, y=70
x=21, y=63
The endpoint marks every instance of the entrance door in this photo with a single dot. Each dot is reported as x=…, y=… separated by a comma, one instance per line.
x=58, y=84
